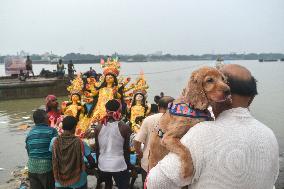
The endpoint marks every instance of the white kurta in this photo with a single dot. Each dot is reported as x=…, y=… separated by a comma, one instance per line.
x=111, y=142
x=236, y=151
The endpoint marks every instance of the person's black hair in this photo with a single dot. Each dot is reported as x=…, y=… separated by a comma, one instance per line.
x=164, y=101
x=122, y=101
x=60, y=61
x=243, y=87
x=69, y=123
x=104, y=84
x=39, y=116
x=97, y=77
x=158, y=97
x=139, y=119
x=154, y=109
x=112, y=105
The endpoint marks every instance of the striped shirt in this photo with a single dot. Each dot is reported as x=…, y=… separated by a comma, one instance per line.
x=37, y=145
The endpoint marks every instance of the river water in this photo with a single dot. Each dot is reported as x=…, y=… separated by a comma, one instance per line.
x=169, y=77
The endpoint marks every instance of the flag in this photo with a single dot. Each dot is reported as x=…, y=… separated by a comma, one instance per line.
x=102, y=61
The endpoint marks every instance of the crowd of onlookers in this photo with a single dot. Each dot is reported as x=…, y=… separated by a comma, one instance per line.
x=233, y=151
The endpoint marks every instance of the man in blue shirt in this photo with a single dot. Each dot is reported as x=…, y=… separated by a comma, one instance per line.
x=37, y=145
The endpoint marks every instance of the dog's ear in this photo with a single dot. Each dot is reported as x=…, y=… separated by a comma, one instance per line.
x=194, y=92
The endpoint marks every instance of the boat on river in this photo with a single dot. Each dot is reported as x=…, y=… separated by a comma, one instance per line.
x=12, y=88
x=18, y=84
x=267, y=60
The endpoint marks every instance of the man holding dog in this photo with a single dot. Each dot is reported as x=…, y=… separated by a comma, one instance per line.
x=234, y=151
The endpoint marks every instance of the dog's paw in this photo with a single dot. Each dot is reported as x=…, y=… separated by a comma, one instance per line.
x=163, y=143
x=186, y=170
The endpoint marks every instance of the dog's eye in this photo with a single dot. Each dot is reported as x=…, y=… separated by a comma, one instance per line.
x=209, y=80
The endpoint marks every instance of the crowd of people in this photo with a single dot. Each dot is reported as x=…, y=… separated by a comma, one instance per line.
x=107, y=124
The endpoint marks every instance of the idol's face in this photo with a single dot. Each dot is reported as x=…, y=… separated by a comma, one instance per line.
x=139, y=97
x=75, y=98
x=109, y=79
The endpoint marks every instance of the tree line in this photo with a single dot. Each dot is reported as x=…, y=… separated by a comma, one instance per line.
x=90, y=58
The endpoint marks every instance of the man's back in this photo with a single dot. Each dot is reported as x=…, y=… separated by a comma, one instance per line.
x=37, y=145
x=111, y=145
x=236, y=151
x=143, y=136
x=38, y=140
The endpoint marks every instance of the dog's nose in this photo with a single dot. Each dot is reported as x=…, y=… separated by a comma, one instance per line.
x=227, y=92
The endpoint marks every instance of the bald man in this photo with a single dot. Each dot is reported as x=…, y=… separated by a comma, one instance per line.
x=243, y=88
x=235, y=151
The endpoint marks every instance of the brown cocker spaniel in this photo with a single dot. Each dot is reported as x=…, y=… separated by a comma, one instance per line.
x=206, y=85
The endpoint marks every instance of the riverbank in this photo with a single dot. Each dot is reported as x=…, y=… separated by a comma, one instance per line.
x=20, y=179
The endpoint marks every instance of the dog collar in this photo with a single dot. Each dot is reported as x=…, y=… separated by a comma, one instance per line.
x=186, y=110
x=160, y=133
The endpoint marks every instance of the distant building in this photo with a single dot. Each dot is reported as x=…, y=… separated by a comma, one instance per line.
x=158, y=53
x=23, y=53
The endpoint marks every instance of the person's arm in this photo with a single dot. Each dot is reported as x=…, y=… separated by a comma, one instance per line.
x=55, y=133
x=137, y=147
x=167, y=173
x=97, y=145
x=141, y=137
x=27, y=147
x=51, y=144
x=157, y=179
x=88, y=155
x=126, y=132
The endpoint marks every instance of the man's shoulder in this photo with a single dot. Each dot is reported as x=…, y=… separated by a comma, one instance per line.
x=263, y=129
x=200, y=129
x=123, y=125
x=51, y=129
x=42, y=129
x=153, y=117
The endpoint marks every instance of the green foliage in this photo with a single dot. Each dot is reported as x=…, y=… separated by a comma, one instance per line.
x=90, y=58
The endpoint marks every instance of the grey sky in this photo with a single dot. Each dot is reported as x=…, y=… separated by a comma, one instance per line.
x=144, y=26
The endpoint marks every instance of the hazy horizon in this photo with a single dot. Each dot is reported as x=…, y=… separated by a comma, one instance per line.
x=142, y=27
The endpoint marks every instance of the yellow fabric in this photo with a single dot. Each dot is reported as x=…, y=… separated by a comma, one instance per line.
x=71, y=110
x=83, y=125
x=136, y=111
x=105, y=94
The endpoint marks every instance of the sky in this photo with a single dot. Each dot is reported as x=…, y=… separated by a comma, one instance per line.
x=141, y=26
